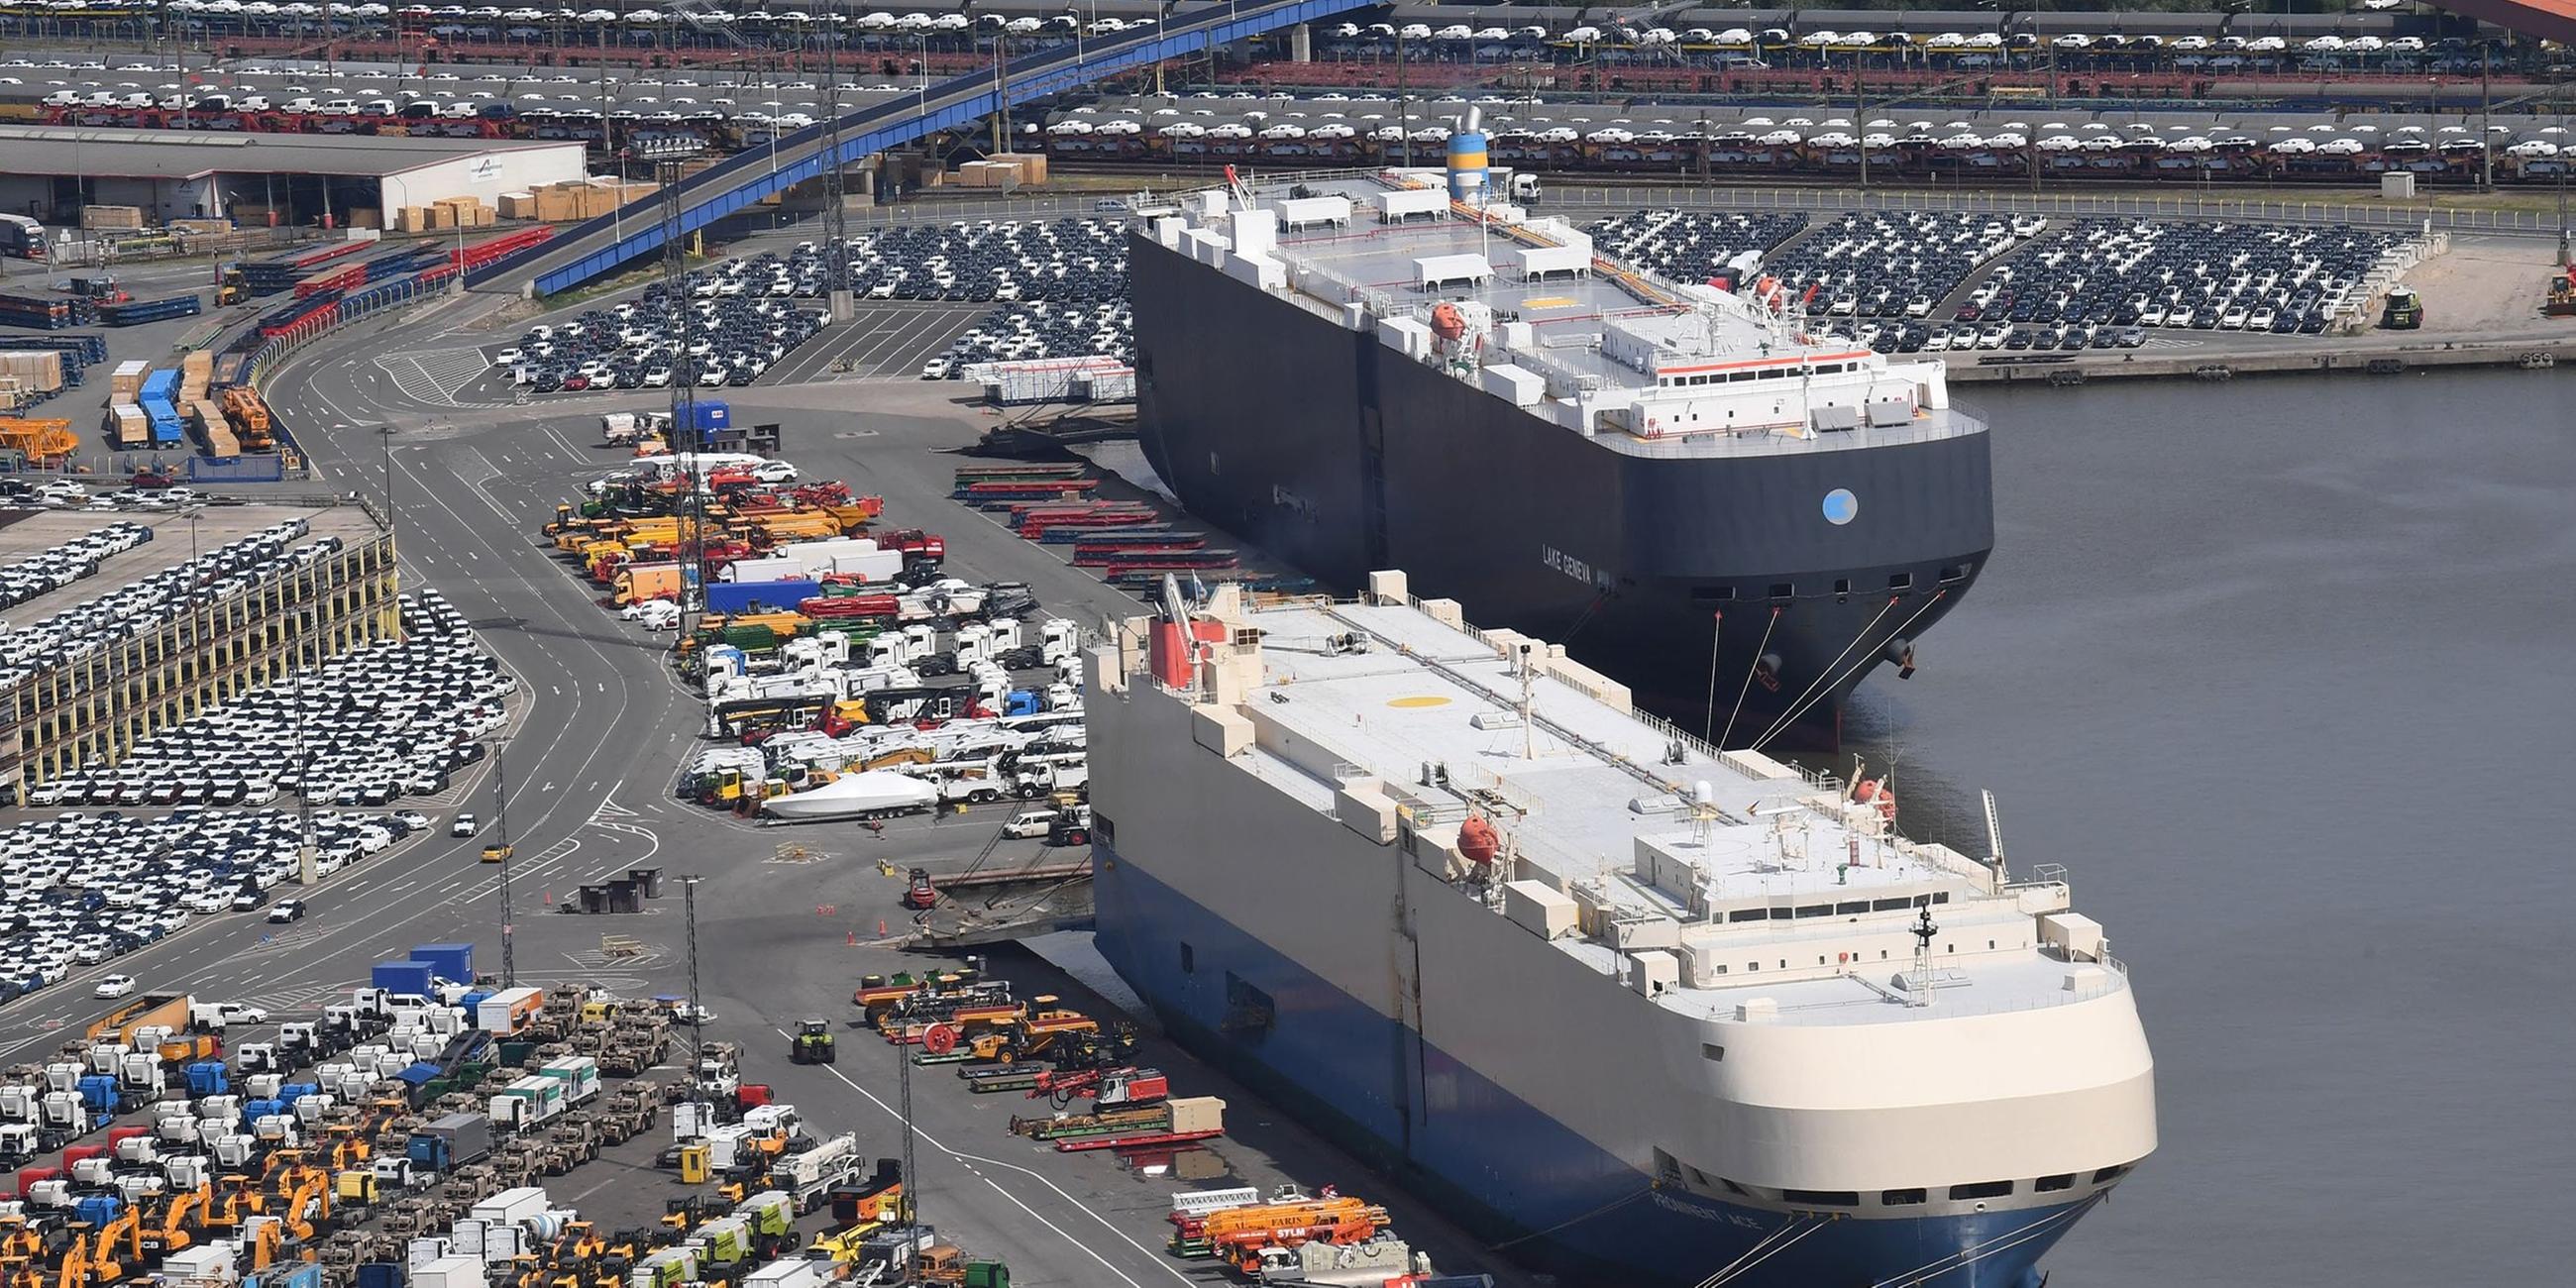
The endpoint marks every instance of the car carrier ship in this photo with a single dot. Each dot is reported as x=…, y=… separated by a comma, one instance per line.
x=1628, y=1007
x=1736, y=514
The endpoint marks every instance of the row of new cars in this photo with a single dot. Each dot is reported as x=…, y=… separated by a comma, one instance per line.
x=364, y=728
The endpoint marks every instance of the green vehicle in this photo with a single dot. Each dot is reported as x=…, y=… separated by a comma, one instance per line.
x=813, y=1044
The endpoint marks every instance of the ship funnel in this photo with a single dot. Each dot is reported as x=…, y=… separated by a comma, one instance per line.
x=1467, y=159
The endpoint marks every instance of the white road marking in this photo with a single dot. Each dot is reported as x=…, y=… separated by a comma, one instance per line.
x=968, y=1159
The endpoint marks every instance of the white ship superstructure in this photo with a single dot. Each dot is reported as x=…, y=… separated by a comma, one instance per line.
x=1647, y=1009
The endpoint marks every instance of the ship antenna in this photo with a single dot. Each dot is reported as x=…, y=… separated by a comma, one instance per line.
x=1994, y=838
x=1921, y=992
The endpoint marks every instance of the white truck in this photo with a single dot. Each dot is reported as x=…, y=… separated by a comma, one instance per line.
x=622, y=427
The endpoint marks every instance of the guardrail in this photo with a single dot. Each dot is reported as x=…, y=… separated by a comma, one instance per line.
x=746, y=177
x=2072, y=205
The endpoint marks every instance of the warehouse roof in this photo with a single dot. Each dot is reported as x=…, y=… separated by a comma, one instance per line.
x=171, y=154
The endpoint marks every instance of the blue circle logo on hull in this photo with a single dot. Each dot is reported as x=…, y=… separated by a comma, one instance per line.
x=1841, y=506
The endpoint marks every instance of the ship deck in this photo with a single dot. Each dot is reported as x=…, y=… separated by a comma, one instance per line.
x=1589, y=781
x=1567, y=312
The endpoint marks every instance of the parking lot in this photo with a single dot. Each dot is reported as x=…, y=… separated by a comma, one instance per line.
x=880, y=341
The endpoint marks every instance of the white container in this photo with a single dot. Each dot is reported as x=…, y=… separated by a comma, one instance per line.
x=449, y=1272
x=512, y=1206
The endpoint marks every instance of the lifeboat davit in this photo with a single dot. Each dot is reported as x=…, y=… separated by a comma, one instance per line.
x=1478, y=842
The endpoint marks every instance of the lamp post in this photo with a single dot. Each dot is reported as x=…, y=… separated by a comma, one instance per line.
x=501, y=813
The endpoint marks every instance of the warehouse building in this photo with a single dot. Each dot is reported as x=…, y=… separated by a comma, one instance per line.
x=346, y=180
x=93, y=708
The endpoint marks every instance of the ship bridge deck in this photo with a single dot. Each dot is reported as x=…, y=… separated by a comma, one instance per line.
x=1783, y=887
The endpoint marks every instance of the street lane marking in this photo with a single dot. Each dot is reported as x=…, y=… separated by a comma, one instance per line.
x=965, y=1158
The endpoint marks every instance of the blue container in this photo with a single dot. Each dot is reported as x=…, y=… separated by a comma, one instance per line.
x=98, y=1209
x=451, y=961
x=294, y=1091
x=378, y=1274
x=776, y=596
x=254, y=1110
x=402, y=977
x=710, y=416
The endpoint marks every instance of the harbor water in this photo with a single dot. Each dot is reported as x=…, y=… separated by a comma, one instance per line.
x=2281, y=671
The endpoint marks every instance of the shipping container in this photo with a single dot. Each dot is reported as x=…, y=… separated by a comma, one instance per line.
x=402, y=977
x=454, y=962
x=755, y=596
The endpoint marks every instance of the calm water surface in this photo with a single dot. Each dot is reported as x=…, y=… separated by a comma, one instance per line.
x=2285, y=673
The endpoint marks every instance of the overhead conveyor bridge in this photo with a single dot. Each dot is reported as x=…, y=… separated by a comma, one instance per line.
x=586, y=250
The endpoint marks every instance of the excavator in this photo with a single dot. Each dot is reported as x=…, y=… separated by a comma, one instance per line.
x=175, y=1228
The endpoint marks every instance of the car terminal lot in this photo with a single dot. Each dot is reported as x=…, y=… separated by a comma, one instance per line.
x=603, y=730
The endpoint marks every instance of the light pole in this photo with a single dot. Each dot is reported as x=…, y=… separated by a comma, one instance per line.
x=501, y=813
x=386, y=432
x=668, y=153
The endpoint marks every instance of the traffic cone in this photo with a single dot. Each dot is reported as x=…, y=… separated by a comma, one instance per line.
x=854, y=939
x=880, y=927
x=550, y=896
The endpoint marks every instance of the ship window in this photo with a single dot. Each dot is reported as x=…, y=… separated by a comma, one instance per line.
x=1982, y=1190
x=1713, y=592
x=1741, y=375
x=1752, y=965
x=1712, y=1051
x=1900, y=1198
x=1749, y=914
x=1103, y=830
x=1842, y=585
x=1773, y=373
x=2061, y=1181
x=2109, y=1174
x=1731, y=1187
x=1189, y=960
x=1783, y=589
x=1900, y=581
x=1846, y=909
x=1941, y=897
x=1822, y=1198
x=1954, y=572
x=1816, y=910
x=1890, y=905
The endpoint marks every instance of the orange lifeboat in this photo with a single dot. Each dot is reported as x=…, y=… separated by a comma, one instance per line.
x=1477, y=841
x=1869, y=791
x=1447, y=323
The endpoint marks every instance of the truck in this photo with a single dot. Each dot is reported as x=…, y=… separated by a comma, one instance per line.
x=154, y=1010
x=21, y=237
x=527, y=1103
x=579, y=1075
x=637, y=583
x=509, y=1012
x=618, y=428
x=450, y=1142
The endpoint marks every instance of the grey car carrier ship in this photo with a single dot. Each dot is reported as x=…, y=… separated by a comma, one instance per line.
x=1737, y=515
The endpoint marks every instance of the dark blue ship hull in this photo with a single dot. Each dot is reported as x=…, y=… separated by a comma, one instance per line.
x=1682, y=577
